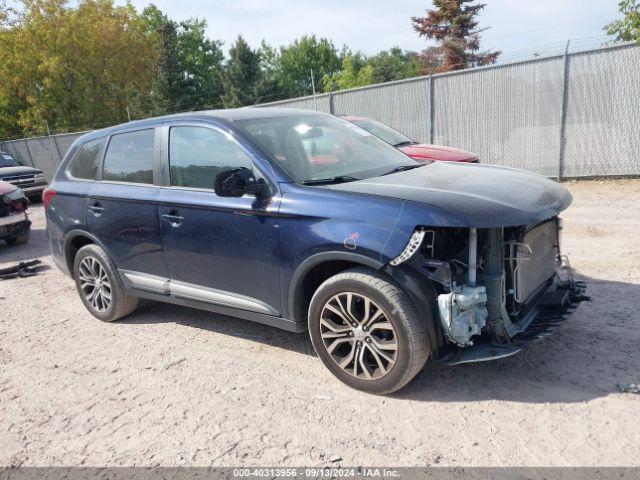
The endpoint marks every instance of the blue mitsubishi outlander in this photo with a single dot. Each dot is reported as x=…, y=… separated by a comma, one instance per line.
x=304, y=221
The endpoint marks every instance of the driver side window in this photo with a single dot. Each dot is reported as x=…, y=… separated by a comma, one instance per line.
x=198, y=154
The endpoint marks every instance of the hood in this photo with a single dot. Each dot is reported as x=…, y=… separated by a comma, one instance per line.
x=6, y=187
x=10, y=171
x=469, y=195
x=422, y=151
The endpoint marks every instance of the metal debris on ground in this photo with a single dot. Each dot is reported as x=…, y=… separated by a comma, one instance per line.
x=27, y=268
x=629, y=388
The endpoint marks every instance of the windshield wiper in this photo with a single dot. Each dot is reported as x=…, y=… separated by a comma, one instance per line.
x=402, y=168
x=329, y=181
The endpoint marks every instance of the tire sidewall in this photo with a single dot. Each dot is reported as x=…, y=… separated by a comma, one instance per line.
x=397, y=374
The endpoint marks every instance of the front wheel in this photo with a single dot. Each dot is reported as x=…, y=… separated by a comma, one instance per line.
x=366, y=331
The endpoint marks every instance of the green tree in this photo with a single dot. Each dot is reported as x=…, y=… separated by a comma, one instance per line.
x=355, y=72
x=243, y=76
x=297, y=60
x=393, y=64
x=453, y=23
x=75, y=68
x=627, y=28
x=188, y=67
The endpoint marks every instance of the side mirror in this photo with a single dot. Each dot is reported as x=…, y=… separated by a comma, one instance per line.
x=238, y=182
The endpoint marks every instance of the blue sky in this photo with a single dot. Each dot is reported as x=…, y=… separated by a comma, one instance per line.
x=373, y=25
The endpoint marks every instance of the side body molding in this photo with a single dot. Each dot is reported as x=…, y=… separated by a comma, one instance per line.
x=188, y=291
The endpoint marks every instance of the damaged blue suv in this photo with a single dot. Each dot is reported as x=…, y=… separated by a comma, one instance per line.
x=304, y=221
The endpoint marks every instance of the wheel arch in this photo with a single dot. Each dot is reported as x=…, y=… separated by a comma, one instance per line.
x=423, y=294
x=316, y=269
x=74, y=241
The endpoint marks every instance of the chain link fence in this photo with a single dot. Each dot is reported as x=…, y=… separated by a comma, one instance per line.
x=564, y=116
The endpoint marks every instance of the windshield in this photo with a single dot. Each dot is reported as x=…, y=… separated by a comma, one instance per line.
x=7, y=160
x=385, y=132
x=318, y=147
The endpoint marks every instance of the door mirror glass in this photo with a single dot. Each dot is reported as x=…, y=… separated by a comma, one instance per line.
x=237, y=182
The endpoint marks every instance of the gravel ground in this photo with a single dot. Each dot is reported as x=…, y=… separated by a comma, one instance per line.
x=176, y=386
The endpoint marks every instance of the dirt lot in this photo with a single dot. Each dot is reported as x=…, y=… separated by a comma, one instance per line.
x=175, y=386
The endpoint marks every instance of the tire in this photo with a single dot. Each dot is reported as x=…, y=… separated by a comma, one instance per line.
x=92, y=263
x=18, y=239
x=387, y=304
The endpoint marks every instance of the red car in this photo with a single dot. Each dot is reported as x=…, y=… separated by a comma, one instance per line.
x=417, y=151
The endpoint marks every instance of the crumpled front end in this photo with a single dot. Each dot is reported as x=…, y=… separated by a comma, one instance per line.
x=497, y=288
x=13, y=212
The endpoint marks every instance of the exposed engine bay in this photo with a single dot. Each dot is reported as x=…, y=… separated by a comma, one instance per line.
x=496, y=287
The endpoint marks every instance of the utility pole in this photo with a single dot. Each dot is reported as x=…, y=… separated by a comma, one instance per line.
x=313, y=89
x=128, y=114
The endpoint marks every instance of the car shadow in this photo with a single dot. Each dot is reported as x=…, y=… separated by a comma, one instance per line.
x=157, y=312
x=36, y=247
x=596, y=350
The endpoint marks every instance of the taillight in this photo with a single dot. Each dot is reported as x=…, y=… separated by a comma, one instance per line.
x=47, y=196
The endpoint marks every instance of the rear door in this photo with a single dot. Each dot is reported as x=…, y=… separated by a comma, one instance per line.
x=122, y=211
x=219, y=250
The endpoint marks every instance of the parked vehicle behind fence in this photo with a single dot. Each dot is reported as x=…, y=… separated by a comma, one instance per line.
x=30, y=180
x=416, y=150
x=385, y=260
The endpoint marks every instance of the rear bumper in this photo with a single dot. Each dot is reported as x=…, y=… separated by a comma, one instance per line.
x=548, y=315
x=13, y=225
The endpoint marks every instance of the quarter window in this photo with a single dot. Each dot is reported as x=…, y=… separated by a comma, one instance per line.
x=129, y=157
x=198, y=154
x=85, y=163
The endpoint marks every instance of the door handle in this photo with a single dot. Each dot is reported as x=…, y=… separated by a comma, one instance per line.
x=96, y=209
x=173, y=217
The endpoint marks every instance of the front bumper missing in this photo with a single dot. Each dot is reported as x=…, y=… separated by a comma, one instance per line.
x=546, y=317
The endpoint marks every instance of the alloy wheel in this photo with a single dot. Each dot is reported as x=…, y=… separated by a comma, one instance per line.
x=94, y=283
x=358, y=336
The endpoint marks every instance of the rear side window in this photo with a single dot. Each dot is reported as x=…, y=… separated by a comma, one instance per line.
x=198, y=154
x=85, y=163
x=129, y=157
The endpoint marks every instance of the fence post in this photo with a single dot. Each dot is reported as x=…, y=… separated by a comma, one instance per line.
x=57, y=162
x=55, y=142
x=432, y=114
x=563, y=112
x=332, y=109
x=26, y=144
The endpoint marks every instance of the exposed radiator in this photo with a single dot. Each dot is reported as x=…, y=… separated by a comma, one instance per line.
x=533, y=261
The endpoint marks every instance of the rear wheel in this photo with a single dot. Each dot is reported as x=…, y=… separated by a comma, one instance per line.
x=18, y=239
x=99, y=286
x=366, y=330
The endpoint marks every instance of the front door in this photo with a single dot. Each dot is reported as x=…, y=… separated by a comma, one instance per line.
x=219, y=250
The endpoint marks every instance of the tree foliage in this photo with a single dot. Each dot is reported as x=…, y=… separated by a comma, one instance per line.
x=73, y=67
x=354, y=72
x=242, y=76
x=454, y=24
x=627, y=28
x=305, y=55
x=188, y=65
x=393, y=64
